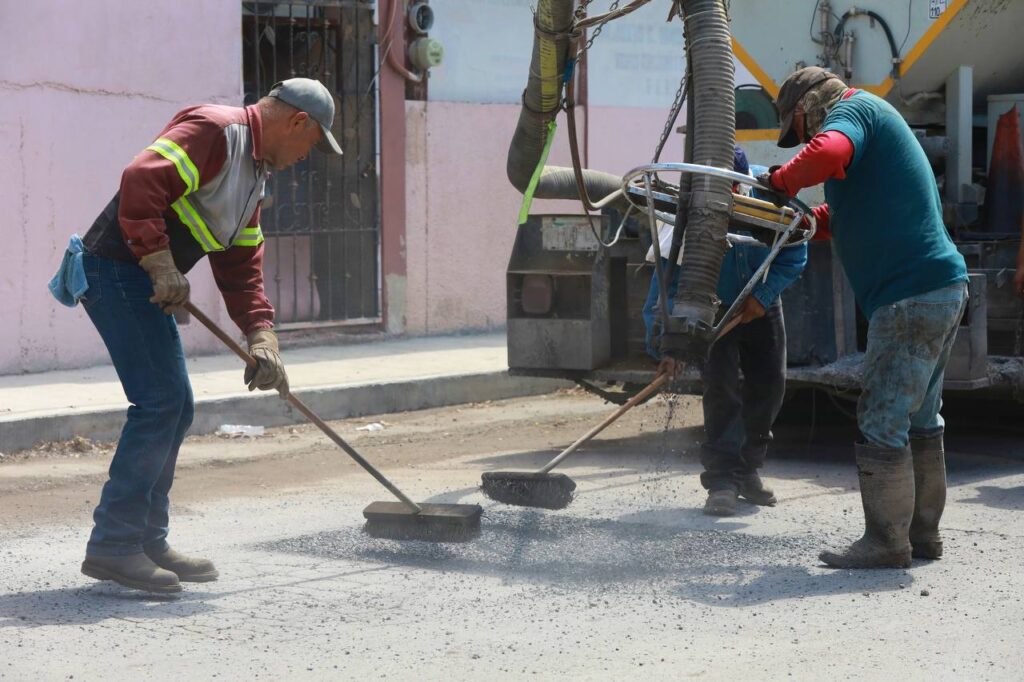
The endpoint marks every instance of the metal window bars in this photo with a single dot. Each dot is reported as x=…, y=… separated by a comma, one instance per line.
x=321, y=217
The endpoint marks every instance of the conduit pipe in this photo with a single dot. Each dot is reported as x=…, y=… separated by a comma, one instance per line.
x=541, y=102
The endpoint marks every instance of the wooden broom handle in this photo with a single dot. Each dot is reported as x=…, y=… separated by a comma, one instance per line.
x=250, y=361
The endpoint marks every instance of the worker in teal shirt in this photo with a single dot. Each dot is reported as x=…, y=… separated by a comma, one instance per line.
x=738, y=415
x=884, y=215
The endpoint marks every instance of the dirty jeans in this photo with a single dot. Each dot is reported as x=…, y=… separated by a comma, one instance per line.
x=909, y=343
x=738, y=416
x=146, y=351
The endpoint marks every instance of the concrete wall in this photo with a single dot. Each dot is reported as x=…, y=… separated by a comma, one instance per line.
x=85, y=87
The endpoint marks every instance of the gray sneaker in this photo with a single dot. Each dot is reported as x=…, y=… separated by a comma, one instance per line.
x=721, y=503
x=752, y=490
x=136, y=571
x=188, y=569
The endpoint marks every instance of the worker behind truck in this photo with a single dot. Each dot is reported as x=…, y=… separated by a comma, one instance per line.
x=194, y=192
x=738, y=415
x=884, y=216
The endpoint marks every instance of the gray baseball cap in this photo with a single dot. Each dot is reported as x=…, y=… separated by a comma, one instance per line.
x=312, y=97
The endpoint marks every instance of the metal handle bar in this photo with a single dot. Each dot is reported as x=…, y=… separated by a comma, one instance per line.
x=800, y=209
x=629, y=190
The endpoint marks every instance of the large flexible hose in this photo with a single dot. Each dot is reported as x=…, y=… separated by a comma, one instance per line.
x=541, y=101
x=713, y=130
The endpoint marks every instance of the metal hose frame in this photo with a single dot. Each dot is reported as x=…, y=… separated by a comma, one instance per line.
x=782, y=237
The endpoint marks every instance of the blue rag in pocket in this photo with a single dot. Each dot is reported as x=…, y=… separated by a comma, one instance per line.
x=69, y=284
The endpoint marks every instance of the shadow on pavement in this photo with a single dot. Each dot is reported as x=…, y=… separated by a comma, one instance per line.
x=95, y=603
x=999, y=498
x=750, y=586
x=679, y=551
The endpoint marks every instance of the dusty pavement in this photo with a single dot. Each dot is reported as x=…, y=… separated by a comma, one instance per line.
x=629, y=582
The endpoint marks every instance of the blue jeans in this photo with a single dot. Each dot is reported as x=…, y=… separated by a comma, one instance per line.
x=909, y=343
x=145, y=348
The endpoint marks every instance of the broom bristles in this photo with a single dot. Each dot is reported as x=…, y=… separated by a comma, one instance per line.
x=546, y=491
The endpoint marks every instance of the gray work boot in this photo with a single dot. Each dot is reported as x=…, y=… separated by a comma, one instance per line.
x=752, y=490
x=187, y=569
x=929, y=496
x=134, y=570
x=721, y=503
x=887, y=493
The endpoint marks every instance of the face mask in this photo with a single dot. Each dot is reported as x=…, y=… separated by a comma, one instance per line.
x=817, y=102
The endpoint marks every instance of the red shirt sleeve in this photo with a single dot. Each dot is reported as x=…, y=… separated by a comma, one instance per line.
x=238, y=272
x=191, y=148
x=823, y=221
x=825, y=157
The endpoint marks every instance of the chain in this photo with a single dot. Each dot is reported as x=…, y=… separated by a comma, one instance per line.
x=581, y=13
x=673, y=114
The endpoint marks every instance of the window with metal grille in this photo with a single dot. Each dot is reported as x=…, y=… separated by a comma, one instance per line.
x=321, y=217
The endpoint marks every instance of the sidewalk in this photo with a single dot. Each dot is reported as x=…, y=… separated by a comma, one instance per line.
x=335, y=381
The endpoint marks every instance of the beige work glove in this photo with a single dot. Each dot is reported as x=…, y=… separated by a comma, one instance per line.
x=170, y=288
x=269, y=373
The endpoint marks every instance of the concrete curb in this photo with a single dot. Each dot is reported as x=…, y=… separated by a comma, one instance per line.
x=330, y=402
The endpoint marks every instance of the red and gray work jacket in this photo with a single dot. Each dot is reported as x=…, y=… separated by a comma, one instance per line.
x=197, y=191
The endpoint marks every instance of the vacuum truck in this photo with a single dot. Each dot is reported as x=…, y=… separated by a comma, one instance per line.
x=576, y=284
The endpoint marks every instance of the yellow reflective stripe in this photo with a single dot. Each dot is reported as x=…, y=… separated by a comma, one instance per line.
x=187, y=221
x=176, y=155
x=184, y=158
x=196, y=226
x=249, y=236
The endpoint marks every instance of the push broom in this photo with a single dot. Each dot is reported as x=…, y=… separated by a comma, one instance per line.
x=546, y=490
x=542, y=488
x=402, y=520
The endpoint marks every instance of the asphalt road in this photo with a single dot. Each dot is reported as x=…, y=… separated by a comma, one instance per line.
x=630, y=582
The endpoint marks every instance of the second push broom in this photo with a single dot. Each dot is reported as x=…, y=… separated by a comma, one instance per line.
x=542, y=488
x=546, y=490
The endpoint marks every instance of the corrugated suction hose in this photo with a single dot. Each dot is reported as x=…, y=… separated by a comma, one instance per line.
x=541, y=101
x=713, y=128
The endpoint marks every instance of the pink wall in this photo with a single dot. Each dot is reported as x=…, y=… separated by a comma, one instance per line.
x=461, y=209
x=85, y=87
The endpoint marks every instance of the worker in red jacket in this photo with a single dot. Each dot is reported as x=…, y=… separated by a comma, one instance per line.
x=194, y=192
x=884, y=216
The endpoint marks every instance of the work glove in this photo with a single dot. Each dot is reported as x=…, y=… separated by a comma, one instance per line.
x=170, y=288
x=774, y=195
x=269, y=371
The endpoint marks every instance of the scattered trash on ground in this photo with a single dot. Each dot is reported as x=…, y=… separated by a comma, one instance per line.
x=240, y=431
x=372, y=427
x=75, y=448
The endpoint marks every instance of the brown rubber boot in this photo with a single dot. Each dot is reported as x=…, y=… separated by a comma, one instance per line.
x=721, y=503
x=134, y=570
x=187, y=569
x=887, y=493
x=929, y=496
x=752, y=490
